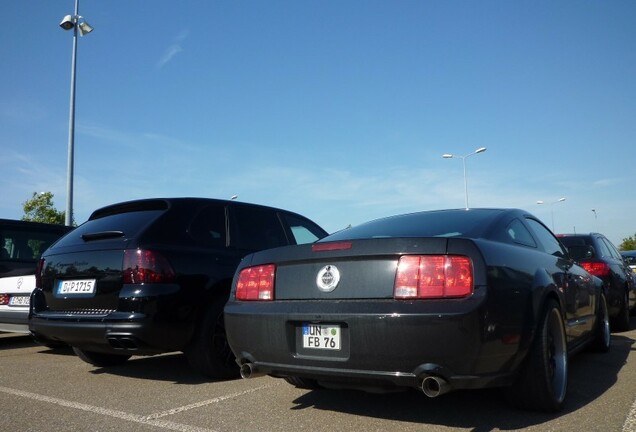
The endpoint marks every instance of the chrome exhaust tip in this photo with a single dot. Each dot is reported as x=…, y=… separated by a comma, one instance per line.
x=248, y=370
x=433, y=386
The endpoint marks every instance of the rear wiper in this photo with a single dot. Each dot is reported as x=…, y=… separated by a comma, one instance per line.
x=102, y=235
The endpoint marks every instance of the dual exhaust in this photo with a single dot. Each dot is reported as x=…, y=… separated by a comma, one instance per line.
x=432, y=386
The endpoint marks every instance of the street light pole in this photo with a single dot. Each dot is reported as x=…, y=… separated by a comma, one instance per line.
x=552, y=208
x=463, y=158
x=71, y=127
x=72, y=22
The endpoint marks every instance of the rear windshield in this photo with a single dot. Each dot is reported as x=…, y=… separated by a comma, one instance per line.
x=579, y=247
x=27, y=243
x=121, y=226
x=451, y=223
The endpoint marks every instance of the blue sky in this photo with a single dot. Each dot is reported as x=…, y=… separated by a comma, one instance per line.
x=338, y=110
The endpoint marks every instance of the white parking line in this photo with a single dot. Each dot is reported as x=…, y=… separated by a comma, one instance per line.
x=206, y=402
x=630, y=422
x=152, y=419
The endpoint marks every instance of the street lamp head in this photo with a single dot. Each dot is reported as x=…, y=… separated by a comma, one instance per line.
x=67, y=22
x=561, y=199
x=447, y=156
x=84, y=28
x=539, y=202
x=480, y=150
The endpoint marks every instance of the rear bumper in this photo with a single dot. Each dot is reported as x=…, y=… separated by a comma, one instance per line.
x=133, y=334
x=143, y=325
x=383, y=343
x=14, y=319
x=90, y=334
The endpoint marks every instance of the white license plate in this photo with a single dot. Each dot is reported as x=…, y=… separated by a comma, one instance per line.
x=321, y=336
x=76, y=287
x=19, y=300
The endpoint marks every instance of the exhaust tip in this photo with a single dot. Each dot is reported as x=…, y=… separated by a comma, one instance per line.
x=248, y=371
x=433, y=386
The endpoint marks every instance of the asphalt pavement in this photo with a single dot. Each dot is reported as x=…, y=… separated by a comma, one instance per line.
x=53, y=390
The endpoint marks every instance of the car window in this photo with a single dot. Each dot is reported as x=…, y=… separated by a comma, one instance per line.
x=255, y=228
x=603, y=250
x=208, y=227
x=629, y=259
x=26, y=244
x=303, y=231
x=129, y=223
x=472, y=223
x=518, y=233
x=612, y=250
x=579, y=247
x=547, y=239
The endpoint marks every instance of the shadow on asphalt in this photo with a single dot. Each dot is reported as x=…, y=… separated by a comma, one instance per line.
x=591, y=375
x=172, y=367
x=15, y=340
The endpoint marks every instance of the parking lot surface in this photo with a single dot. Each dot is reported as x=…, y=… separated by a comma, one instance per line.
x=44, y=390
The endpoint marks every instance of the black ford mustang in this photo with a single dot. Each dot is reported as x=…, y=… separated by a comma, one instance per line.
x=438, y=301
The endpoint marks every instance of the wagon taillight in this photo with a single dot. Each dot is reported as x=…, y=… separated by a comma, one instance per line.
x=146, y=266
x=256, y=283
x=38, y=273
x=433, y=276
x=597, y=268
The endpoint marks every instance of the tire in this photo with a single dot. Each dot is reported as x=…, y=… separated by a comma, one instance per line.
x=620, y=323
x=543, y=377
x=210, y=353
x=302, y=383
x=602, y=333
x=101, y=359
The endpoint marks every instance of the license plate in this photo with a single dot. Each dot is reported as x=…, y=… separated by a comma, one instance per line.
x=76, y=287
x=19, y=300
x=321, y=336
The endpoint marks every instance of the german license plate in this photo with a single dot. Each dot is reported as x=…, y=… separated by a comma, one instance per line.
x=19, y=300
x=321, y=336
x=76, y=287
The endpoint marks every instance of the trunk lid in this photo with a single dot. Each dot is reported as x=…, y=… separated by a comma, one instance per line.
x=99, y=272
x=83, y=271
x=360, y=269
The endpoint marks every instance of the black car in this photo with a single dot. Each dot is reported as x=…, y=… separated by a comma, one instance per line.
x=630, y=258
x=595, y=253
x=438, y=301
x=152, y=276
x=21, y=244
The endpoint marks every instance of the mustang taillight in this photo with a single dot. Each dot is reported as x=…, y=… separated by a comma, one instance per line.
x=256, y=283
x=4, y=299
x=433, y=276
x=597, y=268
x=146, y=266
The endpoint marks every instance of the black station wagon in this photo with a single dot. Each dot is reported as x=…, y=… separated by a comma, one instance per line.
x=152, y=276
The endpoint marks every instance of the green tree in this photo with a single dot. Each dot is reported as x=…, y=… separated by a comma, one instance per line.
x=40, y=209
x=629, y=243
